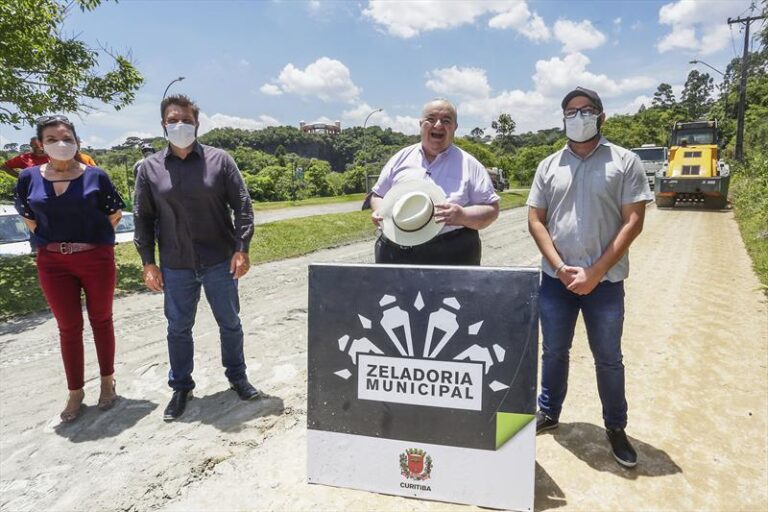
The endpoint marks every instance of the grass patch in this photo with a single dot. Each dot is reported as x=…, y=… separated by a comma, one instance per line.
x=750, y=203
x=278, y=205
x=274, y=241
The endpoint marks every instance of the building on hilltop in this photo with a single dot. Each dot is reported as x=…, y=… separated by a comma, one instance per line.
x=331, y=129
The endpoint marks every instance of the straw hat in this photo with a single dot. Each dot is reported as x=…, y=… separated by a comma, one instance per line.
x=408, y=210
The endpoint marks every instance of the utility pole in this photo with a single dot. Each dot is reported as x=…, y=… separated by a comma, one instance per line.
x=743, y=85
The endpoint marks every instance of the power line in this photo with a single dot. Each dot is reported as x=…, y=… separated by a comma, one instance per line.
x=739, y=150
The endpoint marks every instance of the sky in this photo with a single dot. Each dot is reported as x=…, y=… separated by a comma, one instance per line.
x=252, y=64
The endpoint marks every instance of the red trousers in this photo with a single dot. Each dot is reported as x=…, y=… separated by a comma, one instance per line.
x=62, y=278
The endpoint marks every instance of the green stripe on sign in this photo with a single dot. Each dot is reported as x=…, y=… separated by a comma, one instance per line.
x=508, y=424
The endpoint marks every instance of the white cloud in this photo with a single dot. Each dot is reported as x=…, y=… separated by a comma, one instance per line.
x=406, y=18
x=698, y=26
x=459, y=82
x=326, y=79
x=404, y=124
x=119, y=139
x=530, y=110
x=94, y=141
x=208, y=123
x=244, y=63
x=554, y=77
x=617, y=21
x=633, y=106
x=271, y=90
x=578, y=36
x=535, y=30
x=518, y=17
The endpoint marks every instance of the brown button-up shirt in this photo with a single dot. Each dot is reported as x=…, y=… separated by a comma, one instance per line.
x=188, y=206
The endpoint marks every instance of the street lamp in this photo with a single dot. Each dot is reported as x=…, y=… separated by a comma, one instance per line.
x=710, y=67
x=365, y=123
x=723, y=92
x=170, y=84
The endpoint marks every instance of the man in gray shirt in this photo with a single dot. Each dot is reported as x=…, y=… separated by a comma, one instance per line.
x=186, y=195
x=587, y=205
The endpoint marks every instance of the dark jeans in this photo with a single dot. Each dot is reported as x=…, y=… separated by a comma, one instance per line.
x=182, y=293
x=603, y=311
x=62, y=278
x=458, y=247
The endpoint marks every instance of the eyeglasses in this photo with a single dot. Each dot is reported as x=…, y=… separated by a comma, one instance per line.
x=58, y=118
x=570, y=113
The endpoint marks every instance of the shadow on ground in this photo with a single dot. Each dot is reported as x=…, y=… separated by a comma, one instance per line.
x=589, y=443
x=93, y=424
x=225, y=411
x=549, y=495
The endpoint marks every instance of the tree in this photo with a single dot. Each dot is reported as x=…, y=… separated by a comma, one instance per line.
x=42, y=70
x=504, y=126
x=477, y=133
x=696, y=97
x=11, y=146
x=663, y=97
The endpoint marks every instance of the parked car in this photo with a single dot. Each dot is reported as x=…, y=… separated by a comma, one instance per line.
x=14, y=235
x=124, y=229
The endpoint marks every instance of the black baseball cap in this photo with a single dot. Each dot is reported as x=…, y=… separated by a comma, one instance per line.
x=587, y=93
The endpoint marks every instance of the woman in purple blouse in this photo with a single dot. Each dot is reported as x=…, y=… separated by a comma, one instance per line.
x=72, y=210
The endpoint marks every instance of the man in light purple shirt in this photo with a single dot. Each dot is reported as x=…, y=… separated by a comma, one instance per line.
x=471, y=202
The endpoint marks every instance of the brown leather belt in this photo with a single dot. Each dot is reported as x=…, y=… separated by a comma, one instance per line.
x=69, y=247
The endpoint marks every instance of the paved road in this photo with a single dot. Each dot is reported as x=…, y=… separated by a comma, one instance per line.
x=263, y=217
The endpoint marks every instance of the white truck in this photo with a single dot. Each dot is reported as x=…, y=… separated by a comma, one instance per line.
x=654, y=158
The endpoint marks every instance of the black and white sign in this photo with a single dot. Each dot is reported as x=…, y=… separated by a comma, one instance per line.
x=422, y=381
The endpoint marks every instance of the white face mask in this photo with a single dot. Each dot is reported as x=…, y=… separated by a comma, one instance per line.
x=581, y=127
x=61, y=150
x=180, y=134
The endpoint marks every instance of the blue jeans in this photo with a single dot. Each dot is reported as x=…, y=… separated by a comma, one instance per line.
x=182, y=293
x=603, y=311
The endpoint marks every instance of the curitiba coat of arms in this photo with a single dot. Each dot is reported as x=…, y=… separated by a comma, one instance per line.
x=415, y=464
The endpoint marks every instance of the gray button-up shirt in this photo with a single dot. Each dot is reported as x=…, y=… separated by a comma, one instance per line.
x=583, y=199
x=193, y=202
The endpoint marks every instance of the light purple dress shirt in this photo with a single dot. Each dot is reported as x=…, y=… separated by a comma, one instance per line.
x=463, y=179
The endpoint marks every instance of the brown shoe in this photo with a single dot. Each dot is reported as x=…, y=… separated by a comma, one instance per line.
x=106, y=404
x=70, y=414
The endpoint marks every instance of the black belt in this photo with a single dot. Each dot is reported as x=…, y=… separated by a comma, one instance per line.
x=436, y=240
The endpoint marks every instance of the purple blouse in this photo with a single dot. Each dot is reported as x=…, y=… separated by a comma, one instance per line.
x=80, y=214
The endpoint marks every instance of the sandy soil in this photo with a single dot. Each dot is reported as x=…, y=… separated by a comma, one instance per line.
x=695, y=346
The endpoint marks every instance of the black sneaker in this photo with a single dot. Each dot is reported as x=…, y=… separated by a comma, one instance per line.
x=177, y=405
x=622, y=450
x=544, y=422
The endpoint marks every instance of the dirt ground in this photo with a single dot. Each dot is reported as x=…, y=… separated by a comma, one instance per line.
x=696, y=352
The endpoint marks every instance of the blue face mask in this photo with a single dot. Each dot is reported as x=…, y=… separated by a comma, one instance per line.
x=581, y=127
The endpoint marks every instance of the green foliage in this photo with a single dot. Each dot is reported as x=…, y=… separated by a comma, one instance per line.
x=479, y=150
x=664, y=97
x=696, y=97
x=251, y=161
x=42, y=71
x=505, y=127
x=354, y=180
x=316, y=179
x=522, y=165
x=7, y=184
